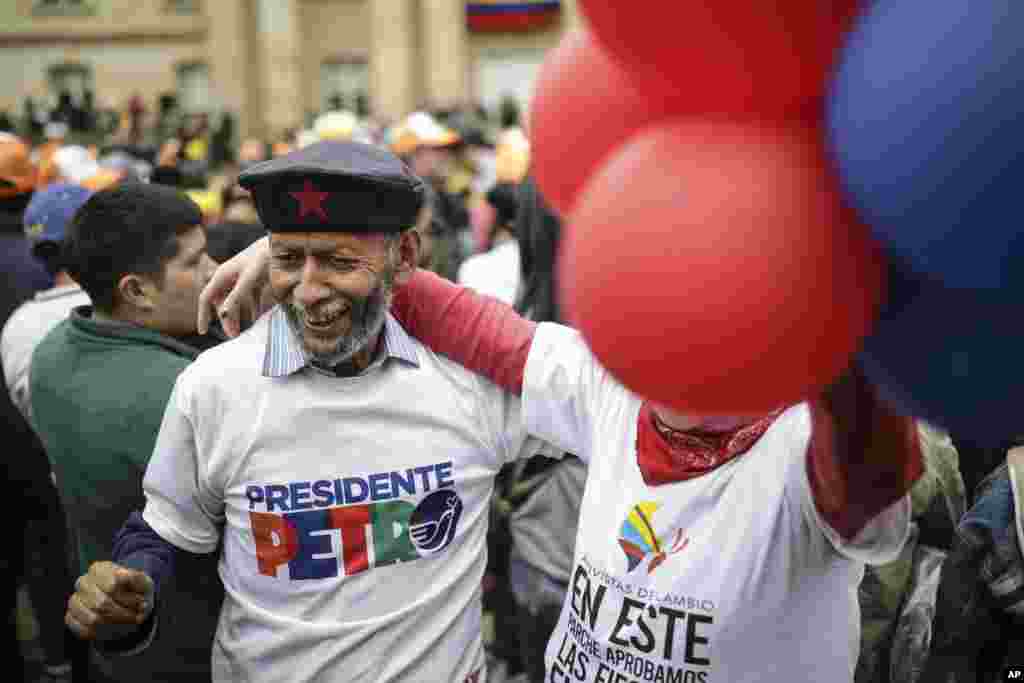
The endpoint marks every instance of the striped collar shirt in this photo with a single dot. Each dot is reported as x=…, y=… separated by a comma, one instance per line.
x=284, y=355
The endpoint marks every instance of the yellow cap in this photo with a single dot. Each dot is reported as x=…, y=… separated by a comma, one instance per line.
x=209, y=201
x=512, y=156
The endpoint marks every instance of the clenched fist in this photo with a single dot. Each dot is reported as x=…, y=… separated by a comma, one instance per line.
x=110, y=601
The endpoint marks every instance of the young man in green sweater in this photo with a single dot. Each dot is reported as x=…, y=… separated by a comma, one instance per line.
x=99, y=385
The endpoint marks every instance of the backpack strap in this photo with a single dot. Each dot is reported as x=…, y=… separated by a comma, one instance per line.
x=1015, y=462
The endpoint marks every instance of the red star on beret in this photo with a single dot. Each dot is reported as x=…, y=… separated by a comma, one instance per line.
x=311, y=200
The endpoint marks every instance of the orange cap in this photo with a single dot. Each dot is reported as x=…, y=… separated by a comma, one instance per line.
x=46, y=166
x=104, y=178
x=17, y=173
x=420, y=129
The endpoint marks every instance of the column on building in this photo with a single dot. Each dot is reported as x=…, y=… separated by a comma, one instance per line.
x=394, y=90
x=571, y=20
x=445, y=46
x=279, y=65
x=231, y=70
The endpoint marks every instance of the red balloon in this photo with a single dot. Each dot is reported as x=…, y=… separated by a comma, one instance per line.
x=743, y=56
x=584, y=105
x=713, y=267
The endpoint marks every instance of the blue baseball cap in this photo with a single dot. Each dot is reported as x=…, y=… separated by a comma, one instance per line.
x=51, y=209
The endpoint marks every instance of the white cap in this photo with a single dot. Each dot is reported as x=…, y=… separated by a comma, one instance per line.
x=75, y=164
x=335, y=125
x=428, y=130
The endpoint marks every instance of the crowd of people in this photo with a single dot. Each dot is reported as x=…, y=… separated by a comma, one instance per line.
x=362, y=471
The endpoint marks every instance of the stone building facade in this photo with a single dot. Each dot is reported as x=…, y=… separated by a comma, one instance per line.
x=270, y=62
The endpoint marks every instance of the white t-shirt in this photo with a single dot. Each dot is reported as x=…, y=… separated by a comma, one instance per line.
x=726, y=578
x=26, y=327
x=494, y=273
x=353, y=511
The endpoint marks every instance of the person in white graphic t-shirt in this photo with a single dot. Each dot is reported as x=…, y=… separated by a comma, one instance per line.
x=343, y=470
x=709, y=550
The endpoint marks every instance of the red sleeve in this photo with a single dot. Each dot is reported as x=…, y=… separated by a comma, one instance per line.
x=862, y=456
x=479, y=332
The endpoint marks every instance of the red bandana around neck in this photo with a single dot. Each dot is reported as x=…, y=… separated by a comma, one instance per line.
x=666, y=455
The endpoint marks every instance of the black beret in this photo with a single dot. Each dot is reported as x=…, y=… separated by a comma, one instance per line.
x=335, y=186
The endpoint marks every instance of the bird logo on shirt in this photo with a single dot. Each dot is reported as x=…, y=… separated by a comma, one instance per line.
x=432, y=526
x=639, y=541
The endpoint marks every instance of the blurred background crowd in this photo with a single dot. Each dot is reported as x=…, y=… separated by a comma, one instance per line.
x=472, y=160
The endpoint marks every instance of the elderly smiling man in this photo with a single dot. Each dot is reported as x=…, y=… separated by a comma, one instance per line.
x=346, y=468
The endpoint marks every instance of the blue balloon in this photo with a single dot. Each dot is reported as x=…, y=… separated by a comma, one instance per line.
x=950, y=357
x=926, y=121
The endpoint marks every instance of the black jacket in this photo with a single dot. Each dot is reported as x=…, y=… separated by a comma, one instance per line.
x=23, y=462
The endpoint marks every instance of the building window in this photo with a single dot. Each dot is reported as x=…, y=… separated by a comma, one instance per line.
x=507, y=75
x=344, y=84
x=71, y=87
x=63, y=8
x=194, y=88
x=183, y=6
x=70, y=80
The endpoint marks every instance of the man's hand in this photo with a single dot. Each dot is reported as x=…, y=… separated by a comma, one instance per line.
x=849, y=399
x=232, y=294
x=110, y=601
x=864, y=455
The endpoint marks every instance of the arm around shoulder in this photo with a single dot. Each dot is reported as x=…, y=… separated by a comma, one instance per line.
x=562, y=384
x=479, y=332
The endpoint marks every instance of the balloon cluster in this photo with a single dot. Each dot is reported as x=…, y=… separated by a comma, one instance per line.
x=716, y=261
x=926, y=119
x=709, y=260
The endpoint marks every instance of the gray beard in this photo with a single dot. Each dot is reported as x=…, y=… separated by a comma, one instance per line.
x=368, y=316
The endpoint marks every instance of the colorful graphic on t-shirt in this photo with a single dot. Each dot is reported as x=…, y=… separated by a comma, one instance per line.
x=639, y=541
x=432, y=525
x=327, y=526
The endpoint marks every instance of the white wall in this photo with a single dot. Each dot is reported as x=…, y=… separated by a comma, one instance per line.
x=507, y=71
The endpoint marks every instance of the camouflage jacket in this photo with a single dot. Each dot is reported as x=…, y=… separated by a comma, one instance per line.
x=978, y=628
x=897, y=599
